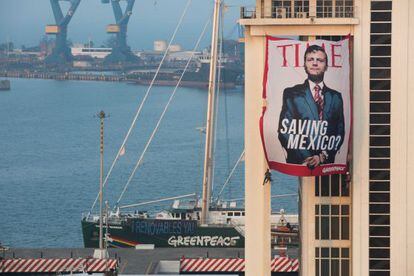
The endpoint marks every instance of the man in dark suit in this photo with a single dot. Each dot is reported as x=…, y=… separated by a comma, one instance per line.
x=311, y=123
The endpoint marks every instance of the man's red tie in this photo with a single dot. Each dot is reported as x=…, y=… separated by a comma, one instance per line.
x=318, y=100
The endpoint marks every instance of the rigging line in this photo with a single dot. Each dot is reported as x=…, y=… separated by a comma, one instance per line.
x=163, y=112
x=231, y=174
x=199, y=159
x=216, y=107
x=232, y=31
x=143, y=100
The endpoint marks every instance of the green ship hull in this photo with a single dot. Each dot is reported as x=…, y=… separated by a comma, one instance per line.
x=133, y=232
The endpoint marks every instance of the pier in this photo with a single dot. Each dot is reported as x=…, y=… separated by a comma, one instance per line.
x=130, y=260
x=161, y=260
x=61, y=76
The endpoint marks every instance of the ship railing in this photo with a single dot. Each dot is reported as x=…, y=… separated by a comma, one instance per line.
x=87, y=216
x=224, y=225
x=95, y=218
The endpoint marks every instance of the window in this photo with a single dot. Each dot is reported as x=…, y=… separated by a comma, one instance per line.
x=332, y=186
x=290, y=9
x=333, y=261
x=324, y=8
x=332, y=222
x=344, y=8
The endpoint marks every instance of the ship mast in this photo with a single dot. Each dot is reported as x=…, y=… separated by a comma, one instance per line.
x=208, y=158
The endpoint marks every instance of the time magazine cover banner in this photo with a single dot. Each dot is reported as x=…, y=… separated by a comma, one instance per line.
x=306, y=123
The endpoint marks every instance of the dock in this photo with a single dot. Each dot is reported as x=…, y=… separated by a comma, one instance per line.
x=61, y=76
x=161, y=260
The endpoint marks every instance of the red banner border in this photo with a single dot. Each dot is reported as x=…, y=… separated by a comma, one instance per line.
x=292, y=169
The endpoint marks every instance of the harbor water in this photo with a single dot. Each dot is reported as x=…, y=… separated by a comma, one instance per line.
x=49, y=153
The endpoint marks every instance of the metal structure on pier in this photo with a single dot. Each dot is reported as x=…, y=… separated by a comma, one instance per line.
x=61, y=52
x=121, y=52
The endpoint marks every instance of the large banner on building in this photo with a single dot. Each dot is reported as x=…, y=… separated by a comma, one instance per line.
x=306, y=123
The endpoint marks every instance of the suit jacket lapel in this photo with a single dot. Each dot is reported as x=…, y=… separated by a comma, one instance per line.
x=310, y=101
x=327, y=98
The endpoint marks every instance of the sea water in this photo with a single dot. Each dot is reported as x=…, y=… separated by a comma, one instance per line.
x=49, y=153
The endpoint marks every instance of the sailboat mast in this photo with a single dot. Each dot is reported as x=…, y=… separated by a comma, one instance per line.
x=208, y=158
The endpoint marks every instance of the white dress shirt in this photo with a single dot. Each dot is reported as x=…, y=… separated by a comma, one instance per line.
x=312, y=88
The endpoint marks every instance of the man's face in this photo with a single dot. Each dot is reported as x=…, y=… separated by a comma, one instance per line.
x=315, y=65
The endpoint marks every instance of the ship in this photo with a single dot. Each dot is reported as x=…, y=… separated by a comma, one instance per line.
x=196, y=77
x=180, y=226
x=193, y=222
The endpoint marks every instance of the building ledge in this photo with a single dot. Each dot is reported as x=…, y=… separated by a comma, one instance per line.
x=300, y=30
x=298, y=21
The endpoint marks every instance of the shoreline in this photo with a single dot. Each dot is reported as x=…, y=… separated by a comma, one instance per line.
x=107, y=78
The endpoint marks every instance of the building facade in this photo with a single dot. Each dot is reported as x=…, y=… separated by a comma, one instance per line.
x=355, y=224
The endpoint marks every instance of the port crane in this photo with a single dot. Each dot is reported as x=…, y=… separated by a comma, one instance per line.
x=61, y=52
x=121, y=52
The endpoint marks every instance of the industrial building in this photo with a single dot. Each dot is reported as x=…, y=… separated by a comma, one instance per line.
x=357, y=224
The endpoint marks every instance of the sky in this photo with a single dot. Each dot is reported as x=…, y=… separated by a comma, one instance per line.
x=23, y=21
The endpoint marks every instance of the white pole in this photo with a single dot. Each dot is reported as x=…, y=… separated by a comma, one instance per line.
x=208, y=158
